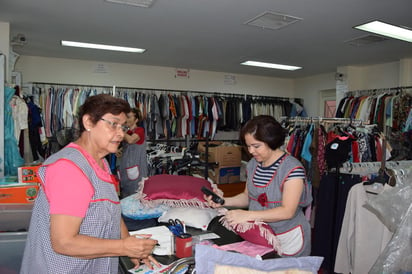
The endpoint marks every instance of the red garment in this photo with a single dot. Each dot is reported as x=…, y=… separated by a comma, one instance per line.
x=321, y=151
x=290, y=143
x=139, y=131
x=355, y=152
x=378, y=149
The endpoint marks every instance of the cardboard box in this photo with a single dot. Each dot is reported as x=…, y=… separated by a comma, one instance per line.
x=222, y=153
x=28, y=174
x=225, y=175
x=18, y=193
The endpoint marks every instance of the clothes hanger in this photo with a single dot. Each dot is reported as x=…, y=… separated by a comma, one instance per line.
x=383, y=176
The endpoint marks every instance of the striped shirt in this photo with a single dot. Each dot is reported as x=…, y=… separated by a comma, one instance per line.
x=264, y=175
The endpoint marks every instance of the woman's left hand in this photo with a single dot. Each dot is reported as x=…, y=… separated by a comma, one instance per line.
x=150, y=262
x=238, y=216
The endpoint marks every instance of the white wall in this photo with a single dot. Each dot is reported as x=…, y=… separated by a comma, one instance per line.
x=309, y=89
x=377, y=76
x=66, y=71
x=5, y=45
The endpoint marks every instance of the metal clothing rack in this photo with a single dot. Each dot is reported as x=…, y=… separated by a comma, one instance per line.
x=115, y=89
x=324, y=120
x=372, y=167
x=377, y=91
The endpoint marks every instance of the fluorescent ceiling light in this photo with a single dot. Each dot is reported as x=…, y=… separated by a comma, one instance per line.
x=137, y=3
x=269, y=65
x=100, y=46
x=389, y=30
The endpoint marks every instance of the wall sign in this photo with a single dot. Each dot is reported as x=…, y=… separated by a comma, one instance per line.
x=182, y=73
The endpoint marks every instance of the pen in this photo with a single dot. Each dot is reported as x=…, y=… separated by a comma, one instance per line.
x=143, y=237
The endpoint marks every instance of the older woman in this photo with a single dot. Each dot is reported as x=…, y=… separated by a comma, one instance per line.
x=76, y=225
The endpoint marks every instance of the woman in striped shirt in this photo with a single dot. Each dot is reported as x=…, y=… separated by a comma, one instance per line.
x=276, y=191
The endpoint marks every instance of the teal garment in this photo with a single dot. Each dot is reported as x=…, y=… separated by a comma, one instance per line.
x=12, y=157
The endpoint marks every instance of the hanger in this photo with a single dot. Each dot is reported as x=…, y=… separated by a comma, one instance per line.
x=383, y=176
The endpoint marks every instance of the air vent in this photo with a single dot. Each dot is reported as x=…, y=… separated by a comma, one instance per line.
x=136, y=3
x=272, y=20
x=366, y=40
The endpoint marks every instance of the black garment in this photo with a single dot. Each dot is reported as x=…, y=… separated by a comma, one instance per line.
x=340, y=109
x=337, y=152
x=330, y=209
x=133, y=225
x=226, y=236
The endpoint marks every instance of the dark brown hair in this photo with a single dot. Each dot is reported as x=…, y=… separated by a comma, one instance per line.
x=98, y=105
x=266, y=129
x=138, y=114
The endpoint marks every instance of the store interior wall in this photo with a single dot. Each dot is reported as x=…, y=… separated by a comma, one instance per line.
x=81, y=72
x=68, y=71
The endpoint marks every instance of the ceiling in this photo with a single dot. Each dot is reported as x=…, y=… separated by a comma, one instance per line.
x=210, y=34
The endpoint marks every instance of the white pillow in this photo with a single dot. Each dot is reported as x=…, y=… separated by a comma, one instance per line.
x=190, y=216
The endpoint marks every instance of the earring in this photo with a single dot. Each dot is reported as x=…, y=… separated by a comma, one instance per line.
x=88, y=129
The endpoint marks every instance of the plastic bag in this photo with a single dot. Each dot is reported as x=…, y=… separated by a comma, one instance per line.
x=393, y=207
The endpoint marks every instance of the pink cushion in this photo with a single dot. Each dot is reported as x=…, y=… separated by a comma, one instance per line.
x=174, y=190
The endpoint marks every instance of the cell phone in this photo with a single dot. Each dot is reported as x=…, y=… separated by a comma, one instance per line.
x=215, y=198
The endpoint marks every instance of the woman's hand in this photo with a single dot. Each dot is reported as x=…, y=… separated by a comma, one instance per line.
x=149, y=261
x=140, y=248
x=210, y=202
x=237, y=216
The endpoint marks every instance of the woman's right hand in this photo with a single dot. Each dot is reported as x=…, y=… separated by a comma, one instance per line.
x=140, y=248
x=210, y=202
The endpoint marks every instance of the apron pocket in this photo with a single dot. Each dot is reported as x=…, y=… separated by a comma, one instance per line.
x=291, y=241
x=133, y=172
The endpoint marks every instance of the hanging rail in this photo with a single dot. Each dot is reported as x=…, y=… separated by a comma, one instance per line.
x=323, y=120
x=376, y=91
x=113, y=88
x=373, y=167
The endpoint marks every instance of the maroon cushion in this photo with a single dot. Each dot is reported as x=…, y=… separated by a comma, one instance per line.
x=174, y=190
x=259, y=234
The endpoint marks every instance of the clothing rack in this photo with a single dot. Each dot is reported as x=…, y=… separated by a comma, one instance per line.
x=323, y=120
x=113, y=89
x=372, y=167
x=377, y=91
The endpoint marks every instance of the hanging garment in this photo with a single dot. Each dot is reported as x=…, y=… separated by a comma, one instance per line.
x=12, y=158
x=363, y=236
x=330, y=209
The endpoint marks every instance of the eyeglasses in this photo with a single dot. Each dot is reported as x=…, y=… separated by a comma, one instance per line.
x=115, y=125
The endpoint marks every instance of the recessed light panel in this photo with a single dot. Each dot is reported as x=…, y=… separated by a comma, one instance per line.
x=270, y=65
x=137, y=3
x=100, y=46
x=388, y=30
